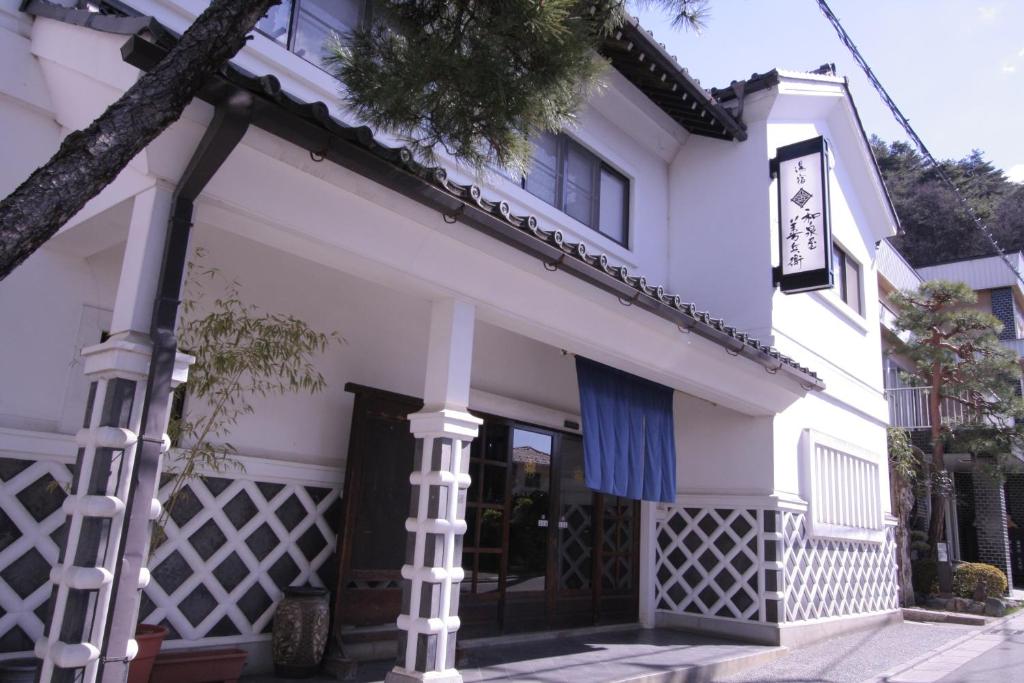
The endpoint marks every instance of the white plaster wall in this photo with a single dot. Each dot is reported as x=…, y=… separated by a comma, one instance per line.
x=720, y=451
x=384, y=345
x=819, y=327
x=25, y=104
x=718, y=243
x=384, y=332
x=52, y=305
x=723, y=244
x=516, y=367
x=834, y=419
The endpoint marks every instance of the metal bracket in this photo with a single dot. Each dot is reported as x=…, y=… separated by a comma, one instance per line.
x=739, y=88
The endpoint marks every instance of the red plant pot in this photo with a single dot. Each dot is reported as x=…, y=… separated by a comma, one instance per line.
x=149, y=637
x=199, y=666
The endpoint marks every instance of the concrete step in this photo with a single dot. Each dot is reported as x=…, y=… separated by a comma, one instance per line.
x=919, y=614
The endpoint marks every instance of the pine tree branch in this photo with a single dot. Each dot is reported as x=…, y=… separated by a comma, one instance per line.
x=90, y=159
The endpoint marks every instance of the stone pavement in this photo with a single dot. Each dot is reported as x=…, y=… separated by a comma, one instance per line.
x=908, y=652
x=854, y=657
x=635, y=655
x=995, y=653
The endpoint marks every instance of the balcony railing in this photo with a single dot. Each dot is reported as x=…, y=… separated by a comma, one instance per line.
x=1017, y=345
x=908, y=408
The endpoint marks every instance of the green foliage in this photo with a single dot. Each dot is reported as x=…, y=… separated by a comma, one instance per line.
x=242, y=352
x=684, y=13
x=476, y=77
x=958, y=347
x=903, y=461
x=936, y=227
x=926, y=575
x=968, y=575
x=973, y=380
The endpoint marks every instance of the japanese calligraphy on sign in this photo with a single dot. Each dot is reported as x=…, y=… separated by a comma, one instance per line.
x=804, y=237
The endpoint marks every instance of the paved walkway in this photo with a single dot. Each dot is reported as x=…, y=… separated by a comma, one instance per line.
x=857, y=656
x=993, y=654
x=634, y=655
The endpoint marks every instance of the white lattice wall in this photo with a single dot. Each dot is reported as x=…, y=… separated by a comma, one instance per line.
x=757, y=563
x=31, y=532
x=707, y=562
x=833, y=578
x=233, y=543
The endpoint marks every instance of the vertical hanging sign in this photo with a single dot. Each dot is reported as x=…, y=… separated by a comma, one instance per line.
x=805, y=236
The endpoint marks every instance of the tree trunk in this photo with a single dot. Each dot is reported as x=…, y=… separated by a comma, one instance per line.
x=902, y=504
x=88, y=160
x=937, y=519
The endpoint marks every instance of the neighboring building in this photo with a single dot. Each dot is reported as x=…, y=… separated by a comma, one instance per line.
x=984, y=521
x=988, y=518
x=461, y=308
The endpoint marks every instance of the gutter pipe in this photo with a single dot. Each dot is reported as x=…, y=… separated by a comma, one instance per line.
x=230, y=122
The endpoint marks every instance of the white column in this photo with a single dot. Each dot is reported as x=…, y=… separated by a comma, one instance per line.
x=82, y=579
x=433, y=564
x=140, y=268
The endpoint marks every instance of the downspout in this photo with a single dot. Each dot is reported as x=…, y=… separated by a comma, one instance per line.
x=230, y=121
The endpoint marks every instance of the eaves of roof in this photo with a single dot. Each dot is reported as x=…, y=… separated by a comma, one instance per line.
x=635, y=54
x=310, y=125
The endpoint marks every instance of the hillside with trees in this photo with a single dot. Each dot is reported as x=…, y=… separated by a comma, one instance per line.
x=936, y=228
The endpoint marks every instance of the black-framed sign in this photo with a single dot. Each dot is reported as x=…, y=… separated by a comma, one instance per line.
x=805, y=233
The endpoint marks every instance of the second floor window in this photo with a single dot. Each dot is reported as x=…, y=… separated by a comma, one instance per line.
x=573, y=179
x=847, y=278
x=306, y=26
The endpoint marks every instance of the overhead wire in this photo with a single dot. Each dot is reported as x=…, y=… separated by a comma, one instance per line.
x=914, y=137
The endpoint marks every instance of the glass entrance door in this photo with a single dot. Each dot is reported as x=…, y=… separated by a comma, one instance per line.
x=541, y=549
x=529, y=529
x=574, y=600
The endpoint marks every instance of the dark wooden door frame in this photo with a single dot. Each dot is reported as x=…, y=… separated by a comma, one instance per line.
x=353, y=496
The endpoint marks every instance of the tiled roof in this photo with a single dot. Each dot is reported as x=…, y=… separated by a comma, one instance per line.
x=635, y=53
x=311, y=126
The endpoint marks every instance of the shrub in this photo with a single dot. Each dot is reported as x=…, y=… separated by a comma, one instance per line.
x=967, y=575
x=925, y=575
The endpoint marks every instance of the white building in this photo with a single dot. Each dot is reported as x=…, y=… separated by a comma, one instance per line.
x=460, y=303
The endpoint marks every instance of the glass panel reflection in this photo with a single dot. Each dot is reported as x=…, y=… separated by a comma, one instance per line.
x=318, y=22
x=613, y=206
x=530, y=515
x=490, y=570
x=491, y=521
x=275, y=23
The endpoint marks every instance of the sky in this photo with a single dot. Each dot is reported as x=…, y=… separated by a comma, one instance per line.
x=955, y=68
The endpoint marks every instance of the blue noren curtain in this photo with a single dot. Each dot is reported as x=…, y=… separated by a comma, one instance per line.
x=628, y=433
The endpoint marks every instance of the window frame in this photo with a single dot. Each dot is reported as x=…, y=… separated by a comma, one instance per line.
x=845, y=261
x=365, y=13
x=563, y=143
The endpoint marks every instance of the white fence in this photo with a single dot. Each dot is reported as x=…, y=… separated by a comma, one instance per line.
x=1015, y=345
x=908, y=408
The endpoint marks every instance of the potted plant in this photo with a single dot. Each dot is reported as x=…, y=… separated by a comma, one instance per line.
x=149, y=637
x=199, y=666
x=241, y=352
